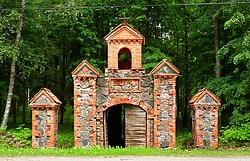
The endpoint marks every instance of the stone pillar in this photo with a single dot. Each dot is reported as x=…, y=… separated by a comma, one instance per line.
x=165, y=74
x=84, y=111
x=84, y=77
x=205, y=107
x=44, y=106
x=164, y=111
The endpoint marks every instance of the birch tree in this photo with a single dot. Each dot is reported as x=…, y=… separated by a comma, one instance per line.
x=13, y=67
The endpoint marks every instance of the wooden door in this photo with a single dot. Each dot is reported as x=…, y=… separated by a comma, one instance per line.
x=135, y=126
x=105, y=130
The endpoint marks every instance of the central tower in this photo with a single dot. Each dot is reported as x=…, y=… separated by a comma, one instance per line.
x=124, y=47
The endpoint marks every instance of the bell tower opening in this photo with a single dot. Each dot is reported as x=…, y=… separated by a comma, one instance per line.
x=124, y=59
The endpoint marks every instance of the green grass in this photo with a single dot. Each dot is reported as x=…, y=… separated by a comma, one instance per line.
x=66, y=143
x=99, y=151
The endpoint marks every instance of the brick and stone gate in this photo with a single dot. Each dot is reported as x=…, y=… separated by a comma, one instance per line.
x=125, y=86
x=126, y=106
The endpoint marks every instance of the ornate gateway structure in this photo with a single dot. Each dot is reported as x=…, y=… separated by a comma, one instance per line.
x=126, y=107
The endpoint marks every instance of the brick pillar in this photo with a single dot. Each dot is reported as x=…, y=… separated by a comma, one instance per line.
x=44, y=106
x=205, y=107
x=84, y=111
x=164, y=111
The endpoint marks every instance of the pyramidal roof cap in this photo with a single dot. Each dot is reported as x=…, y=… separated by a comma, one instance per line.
x=121, y=27
x=201, y=93
x=90, y=70
x=48, y=94
x=167, y=63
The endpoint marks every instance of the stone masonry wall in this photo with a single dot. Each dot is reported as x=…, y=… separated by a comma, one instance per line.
x=153, y=93
x=205, y=126
x=164, y=111
x=129, y=87
x=84, y=111
x=44, y=127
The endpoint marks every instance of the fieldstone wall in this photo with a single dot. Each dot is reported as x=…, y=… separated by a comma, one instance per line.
x=125, y=87
x=205, y=107
x=44, y=127
x=154, y=93
x=84, y=111
x=164, y=111
x=205, y=126
x=44, y=106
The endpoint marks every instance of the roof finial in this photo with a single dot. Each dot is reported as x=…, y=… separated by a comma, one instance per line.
x=124, y=18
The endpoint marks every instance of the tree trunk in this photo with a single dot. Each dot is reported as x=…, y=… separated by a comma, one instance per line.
x=216, y=25
x=63, y=83
x=13, y=68
x=24, y=107
x=185, y=122
x=216, y=40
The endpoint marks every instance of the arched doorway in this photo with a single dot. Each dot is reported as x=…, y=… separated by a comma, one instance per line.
x=124, y=59
x=125, y=125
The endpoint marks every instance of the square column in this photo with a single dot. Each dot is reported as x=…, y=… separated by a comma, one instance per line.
x=44, y=106
x=205, y=107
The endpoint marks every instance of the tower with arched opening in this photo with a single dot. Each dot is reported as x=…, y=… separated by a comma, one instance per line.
x=126, y=106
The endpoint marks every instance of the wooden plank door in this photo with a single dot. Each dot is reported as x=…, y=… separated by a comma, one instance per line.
x=105, y=130
x=135, y=126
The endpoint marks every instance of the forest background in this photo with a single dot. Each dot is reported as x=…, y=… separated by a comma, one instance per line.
x=209, y=41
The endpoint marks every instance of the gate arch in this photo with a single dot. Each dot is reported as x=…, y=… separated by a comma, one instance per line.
x=120, y=101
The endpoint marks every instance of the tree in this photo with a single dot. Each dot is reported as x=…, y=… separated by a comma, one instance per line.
x=13, y=67
x=216, y=28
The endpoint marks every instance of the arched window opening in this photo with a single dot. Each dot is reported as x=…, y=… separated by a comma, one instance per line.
x=124, y=59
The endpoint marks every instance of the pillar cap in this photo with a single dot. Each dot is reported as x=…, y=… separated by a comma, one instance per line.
x=44, y=98
x=85, y=69
x=165, y=67
x=205, y=97
x=124, y=29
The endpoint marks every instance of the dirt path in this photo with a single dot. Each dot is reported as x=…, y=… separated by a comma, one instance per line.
x=125, y=158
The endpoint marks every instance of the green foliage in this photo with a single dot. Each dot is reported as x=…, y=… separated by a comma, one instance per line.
x=236, y=21
x=66, y=139
x=8, y=28
x=184, y=139
x=19, y=137
x=124, y=57
x=236, y=135
x=152, y=57
x=66, y=131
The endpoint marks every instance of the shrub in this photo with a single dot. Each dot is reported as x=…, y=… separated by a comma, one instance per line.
x=184, y=139
x=18, y=137
x=236, y=135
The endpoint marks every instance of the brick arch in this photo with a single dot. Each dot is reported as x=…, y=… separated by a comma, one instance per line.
x=125, y=100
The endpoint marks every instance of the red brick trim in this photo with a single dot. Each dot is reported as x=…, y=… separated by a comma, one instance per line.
x=116, y=101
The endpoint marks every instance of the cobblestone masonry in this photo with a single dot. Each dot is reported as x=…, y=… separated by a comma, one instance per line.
x=44, y=106
x=84, y=105
x=153, y=92
x=205, y=107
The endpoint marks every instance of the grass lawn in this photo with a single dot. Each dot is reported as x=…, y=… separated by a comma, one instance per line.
x=99, y=151
x=66, y=146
